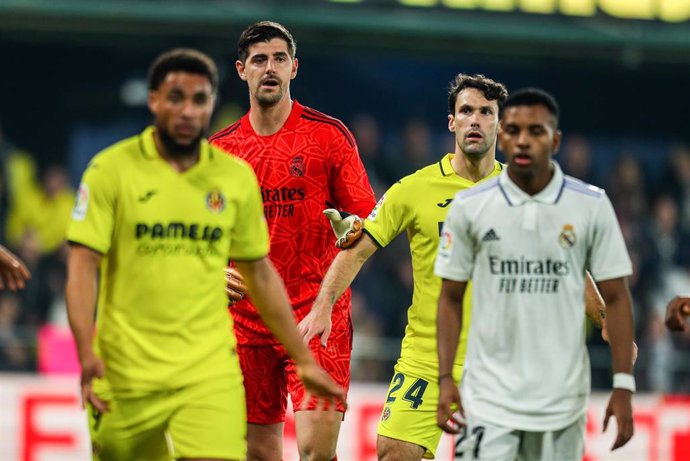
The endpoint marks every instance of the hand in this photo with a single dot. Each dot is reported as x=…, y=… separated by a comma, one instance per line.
x=676, y=310
x=318, y=384
x=449, y=398
x=92, y=367
x=620, y=406
x=347, y=227
x=13, y=272
x=316, y=322
x=235, y=286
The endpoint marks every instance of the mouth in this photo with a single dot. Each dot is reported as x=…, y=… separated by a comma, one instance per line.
x=522, y=160
x=270, y=83
x=185, y=130
x=474, y=136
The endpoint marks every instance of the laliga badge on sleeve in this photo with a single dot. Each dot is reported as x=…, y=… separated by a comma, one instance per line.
x=82, y=203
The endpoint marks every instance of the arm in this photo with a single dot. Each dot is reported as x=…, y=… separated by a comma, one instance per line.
x=13, y=272
x=343, y=270
x=595, y=309
x=81, y=294
x=620, y=325
x=449, y=325
x=270, y=298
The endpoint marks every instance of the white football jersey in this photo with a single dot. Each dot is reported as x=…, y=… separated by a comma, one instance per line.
x=527, y=364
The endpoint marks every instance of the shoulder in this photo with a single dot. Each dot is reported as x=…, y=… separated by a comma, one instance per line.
x=226, y=133
x=576, y=186
x=118, y=155
x=329, y=124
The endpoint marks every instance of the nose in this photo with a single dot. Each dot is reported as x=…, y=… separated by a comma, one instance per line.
x=188, y=109
x=270, y=66
x=523, y=139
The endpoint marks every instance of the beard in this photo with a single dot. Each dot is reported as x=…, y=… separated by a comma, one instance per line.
x=475, y=150
x=269, y=100
x=174, y=148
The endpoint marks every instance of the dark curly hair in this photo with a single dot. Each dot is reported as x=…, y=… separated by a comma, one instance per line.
x=492, y=90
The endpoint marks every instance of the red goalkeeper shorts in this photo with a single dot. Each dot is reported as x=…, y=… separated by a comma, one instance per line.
x=269, y=375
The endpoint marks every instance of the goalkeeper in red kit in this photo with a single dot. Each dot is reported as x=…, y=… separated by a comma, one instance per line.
x=305, y=161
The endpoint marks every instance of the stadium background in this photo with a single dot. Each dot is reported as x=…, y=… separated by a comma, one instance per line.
x=72, y=81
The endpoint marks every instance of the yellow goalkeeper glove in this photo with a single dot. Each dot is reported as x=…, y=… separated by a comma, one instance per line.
x=347, y=227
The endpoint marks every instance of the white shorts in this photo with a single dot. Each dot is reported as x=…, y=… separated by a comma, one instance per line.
x=484, y=441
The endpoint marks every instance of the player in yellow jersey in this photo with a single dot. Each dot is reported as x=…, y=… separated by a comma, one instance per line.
x=157, y=217
x=417, y=204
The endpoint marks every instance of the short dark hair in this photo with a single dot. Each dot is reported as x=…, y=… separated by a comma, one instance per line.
x=264, y=31
x=182, y=60
x=534, y=97
x=492, y=90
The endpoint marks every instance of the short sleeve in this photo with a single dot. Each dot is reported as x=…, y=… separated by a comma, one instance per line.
x=608, y=255
x=249, y=235
x=93, y=216
x=456, y=252
x=391, y=215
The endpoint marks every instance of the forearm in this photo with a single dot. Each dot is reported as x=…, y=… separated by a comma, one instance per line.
x=449, y=324
x=81, y=294
x=342, y=272
x=619, y=324
x=268, y=295
x=595, y=308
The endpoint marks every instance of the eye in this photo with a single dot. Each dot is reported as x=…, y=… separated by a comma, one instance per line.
x=465, y=110
x=487, y=111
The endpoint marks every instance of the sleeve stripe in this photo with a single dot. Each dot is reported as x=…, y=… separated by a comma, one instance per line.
x=225, y=131
x=316, y=116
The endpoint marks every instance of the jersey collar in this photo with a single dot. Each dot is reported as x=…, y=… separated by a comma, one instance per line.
x=517, y=197
x=290, y=123
x=150, y=151
x=447, y=168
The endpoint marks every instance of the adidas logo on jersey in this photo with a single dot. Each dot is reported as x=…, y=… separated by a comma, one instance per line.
x=490, y=236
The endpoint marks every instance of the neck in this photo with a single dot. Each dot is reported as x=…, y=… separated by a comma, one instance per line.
x=473, y=169
x=532, y=182
x=268, y=120
x=179, y=162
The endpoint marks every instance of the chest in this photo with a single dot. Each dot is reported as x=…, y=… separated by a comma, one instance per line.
x=291, y=157
x=159, y=204
x=535, y=231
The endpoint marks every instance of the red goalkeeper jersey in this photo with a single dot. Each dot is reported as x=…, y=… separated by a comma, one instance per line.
x=310, y=164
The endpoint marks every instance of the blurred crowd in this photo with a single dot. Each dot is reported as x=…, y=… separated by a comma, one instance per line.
x=650, y=192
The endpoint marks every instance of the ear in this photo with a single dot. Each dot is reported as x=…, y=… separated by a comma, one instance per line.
x=557, y=136
x=451, y=123
x=153, y=101
x=239, y=65
x=295, y=65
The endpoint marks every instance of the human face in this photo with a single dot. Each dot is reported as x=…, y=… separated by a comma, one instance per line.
x=475, y=123
x=529, y=139
x=182, y=106
x=268, y=71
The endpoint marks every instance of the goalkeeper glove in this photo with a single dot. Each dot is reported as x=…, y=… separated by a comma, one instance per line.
x=235, y=287
x=347, y=227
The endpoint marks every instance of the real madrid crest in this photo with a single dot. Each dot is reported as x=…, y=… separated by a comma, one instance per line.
x=215, y=201
x=297, y=166
x=567, y=237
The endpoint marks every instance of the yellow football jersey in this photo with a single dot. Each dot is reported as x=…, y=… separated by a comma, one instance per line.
x=166, y=236
x=418, y=205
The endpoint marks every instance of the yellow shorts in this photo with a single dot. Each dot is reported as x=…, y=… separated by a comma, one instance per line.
x=204, y=420
x=409, y=413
